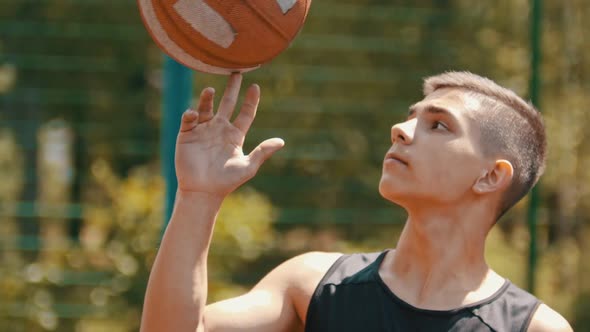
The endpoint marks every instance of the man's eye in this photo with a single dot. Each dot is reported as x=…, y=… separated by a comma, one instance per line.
x=439, y=125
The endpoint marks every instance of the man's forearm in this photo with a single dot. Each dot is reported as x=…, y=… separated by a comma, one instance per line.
x=177, y=288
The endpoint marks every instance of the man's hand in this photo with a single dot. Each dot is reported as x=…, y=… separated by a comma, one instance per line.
x=209, y=156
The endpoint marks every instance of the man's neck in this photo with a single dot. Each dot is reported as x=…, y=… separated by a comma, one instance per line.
x=439, y=261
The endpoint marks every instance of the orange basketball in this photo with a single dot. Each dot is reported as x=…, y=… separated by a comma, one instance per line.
x=223, y=36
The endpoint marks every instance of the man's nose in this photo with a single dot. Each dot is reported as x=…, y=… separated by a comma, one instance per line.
x=403, y=133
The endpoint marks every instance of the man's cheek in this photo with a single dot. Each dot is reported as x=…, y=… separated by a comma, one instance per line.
x=441, y=176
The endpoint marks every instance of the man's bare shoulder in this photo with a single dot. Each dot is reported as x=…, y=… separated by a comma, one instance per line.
x=278, y=302
x=304, y=274
x=546, y=319
x=306, y=270
x=314, y=261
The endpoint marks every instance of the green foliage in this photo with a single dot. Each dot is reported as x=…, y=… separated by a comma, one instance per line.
x=11, y=166
x=102, y=280
x=581, y=317
x=243, y=233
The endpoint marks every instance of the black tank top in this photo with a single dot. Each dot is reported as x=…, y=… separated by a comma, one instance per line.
x=353, y=297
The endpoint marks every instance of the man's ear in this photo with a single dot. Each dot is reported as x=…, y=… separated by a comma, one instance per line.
x=495, y=179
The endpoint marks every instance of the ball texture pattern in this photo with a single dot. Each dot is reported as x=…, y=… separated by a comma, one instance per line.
x=223, y=36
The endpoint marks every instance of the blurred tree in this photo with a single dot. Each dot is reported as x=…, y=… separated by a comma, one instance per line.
x=120, y=234
x=11, y=261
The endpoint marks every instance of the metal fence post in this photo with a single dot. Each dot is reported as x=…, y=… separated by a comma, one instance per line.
x=177, y=91
x=535, y=35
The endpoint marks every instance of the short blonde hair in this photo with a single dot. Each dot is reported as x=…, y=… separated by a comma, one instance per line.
x=510, y=128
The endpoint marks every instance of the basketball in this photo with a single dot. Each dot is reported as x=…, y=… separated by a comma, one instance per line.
x=223, y=36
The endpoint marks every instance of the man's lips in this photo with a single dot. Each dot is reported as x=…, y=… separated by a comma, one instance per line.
x=396, y=157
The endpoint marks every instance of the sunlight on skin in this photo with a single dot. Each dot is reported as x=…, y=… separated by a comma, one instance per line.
x=319, y=262
x=258, y=298
x=471, y=103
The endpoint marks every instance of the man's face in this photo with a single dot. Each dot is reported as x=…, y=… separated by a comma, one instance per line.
x=435, y=155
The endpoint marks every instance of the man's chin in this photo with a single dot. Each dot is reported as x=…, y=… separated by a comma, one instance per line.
x=396, y=197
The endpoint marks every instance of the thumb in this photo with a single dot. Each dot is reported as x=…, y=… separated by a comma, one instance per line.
x=263, y=151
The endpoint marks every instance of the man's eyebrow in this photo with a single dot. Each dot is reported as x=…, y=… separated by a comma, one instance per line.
x=429, y=109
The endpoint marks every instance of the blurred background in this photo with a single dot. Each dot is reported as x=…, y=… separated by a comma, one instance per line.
x=83, y=195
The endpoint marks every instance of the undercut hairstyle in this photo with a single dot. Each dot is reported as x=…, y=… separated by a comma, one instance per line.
x=511, y=129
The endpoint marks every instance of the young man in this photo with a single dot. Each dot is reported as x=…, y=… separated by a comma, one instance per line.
x=466, y=153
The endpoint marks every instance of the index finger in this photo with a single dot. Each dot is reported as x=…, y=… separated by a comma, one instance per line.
x=230, y=96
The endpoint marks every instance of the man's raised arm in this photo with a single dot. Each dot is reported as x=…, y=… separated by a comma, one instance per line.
x=210, y=164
